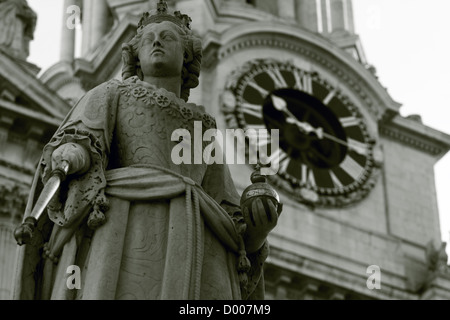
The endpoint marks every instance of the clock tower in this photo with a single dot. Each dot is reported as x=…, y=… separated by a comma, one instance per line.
x=357, y=202
x=356, y=179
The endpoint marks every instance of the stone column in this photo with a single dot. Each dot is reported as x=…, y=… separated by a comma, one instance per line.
x=67, y=52
x=95, y=23
x=286, y=9
x=348, y=11
x=307, y=14
x=12, y=206
x=86, y=26
x=338, y=15
x=100, y=23
x=8, y=257
x=327, y=23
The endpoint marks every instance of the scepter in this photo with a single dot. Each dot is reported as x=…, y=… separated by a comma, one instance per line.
x=24, y=232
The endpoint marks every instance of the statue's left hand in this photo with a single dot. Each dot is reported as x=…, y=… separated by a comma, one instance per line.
x=260, y=221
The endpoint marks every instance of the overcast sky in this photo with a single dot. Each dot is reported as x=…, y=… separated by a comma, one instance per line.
x=406, y=40
x=408, y=43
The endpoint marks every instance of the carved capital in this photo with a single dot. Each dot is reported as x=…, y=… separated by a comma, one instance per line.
x=13, y=199
x=437, y=260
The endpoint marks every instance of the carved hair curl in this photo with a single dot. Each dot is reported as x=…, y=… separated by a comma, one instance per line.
x=191, y=63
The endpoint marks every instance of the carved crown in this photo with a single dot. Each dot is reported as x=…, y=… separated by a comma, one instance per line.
x=162, y=14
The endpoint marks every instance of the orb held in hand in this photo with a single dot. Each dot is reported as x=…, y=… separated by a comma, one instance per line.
x=260, y=189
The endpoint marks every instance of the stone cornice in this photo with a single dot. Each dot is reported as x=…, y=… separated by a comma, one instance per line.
x=59, y=75
x=314, y=47
x=120, y=8
x=437, y=288
x=28, y=66
x=284, y=284
x=32, y=115
x=16, y=167
x=344, y=279
x=226, y=11
x=23, y=134
x=31, y=87
x=417, y=135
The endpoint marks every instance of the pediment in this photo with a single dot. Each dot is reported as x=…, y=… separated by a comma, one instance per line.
x=121, y=8
x=102, y=64
x=20, y=87
x=30, y=112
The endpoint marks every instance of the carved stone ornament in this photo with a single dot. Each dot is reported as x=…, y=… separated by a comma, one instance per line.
x=12, y=202
x=437, y=259
x=17, y=24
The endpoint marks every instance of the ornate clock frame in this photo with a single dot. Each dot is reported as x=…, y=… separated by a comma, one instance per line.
x=238, y=112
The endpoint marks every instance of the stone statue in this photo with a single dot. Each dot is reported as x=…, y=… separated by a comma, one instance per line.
x=437, y=259
x=17, y=24
x=137, y=225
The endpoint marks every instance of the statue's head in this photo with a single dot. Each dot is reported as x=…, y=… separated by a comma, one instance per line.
x=183, y=50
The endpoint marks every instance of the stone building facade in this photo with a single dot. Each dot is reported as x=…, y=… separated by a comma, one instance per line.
x=369, y=220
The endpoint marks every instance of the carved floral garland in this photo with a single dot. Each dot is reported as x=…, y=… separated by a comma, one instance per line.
x=167, y=101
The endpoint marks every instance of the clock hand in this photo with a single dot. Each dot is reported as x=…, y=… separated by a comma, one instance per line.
x=357, y=149
x=281, y=105
x=306, y=127
x=328, y=136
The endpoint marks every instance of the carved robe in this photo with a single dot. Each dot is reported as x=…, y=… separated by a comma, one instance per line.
x=162, y=231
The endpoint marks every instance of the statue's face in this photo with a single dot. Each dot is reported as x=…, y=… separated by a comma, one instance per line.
x=161, y=50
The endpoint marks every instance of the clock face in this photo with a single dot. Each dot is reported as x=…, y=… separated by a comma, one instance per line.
x=325, y=150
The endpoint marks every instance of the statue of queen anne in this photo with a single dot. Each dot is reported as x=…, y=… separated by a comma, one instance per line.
x=137, y=225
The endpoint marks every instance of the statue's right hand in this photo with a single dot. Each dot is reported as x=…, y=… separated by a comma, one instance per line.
x=75, y=154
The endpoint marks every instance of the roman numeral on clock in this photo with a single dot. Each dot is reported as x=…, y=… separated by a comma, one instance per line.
x=258, y=88
x=282, y=158
x=329, y=96
x=357, y=146
x=351, y=167
x=336, y=182
x=303, y=81
x=277, y=78
x=307, y=176
x=349, y=121
x=252, y=110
